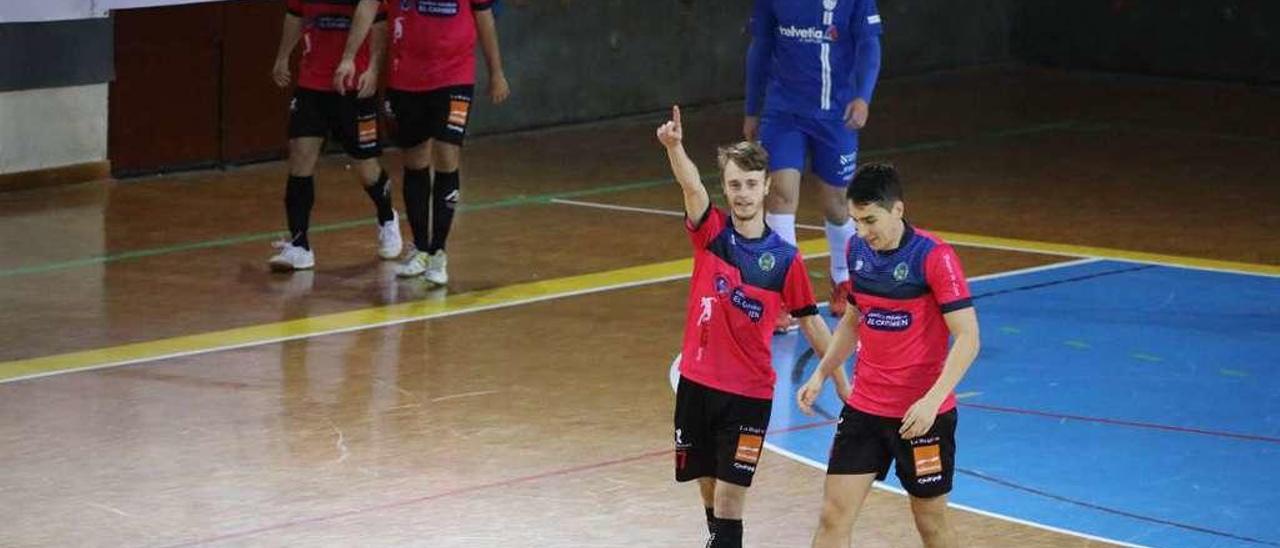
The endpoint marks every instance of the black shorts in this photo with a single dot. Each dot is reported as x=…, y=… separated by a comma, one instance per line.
x=718, y=434
x=350, y=120
x=439, y=114
x=867, y=444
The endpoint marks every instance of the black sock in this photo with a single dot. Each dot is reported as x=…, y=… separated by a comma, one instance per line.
x=417, y=185
x=711, y=520
x=728, y=534
x=444, y=202
x=299, y=196
x=380, y=193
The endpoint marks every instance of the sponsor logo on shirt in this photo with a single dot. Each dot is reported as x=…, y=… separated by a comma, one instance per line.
x=753, y=308
x=811, y=35
x=706, y=303
x=888, y=320
x=873, y=19
x=438, y=7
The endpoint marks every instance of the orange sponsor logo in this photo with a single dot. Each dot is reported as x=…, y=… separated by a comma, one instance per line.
x=749, y=446
x=928, y=460
x=368, y=130
x=458, y=112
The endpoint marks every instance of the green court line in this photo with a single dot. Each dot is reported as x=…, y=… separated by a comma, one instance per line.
x=1171, y=132
x=513, y=201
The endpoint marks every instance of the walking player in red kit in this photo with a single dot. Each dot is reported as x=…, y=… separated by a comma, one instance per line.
x=319, y=109
x=743, y=272
x=429, y=90
x=908, y=295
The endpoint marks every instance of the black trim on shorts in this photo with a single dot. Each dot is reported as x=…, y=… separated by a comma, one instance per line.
x=811, y=310
x=956, y=305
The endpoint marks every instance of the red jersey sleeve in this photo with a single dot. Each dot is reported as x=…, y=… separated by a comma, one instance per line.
x=294, y=7
x=702, y=231
x=946, y=279
x=797, y=291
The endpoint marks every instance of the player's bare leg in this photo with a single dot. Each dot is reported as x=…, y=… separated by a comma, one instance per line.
x=842, y=499
x=932, y=523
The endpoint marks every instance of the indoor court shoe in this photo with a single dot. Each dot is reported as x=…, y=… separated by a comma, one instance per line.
x=437, y=266
x=389, y=242
x=414, y=265
x=291, y=257
x=839, y=300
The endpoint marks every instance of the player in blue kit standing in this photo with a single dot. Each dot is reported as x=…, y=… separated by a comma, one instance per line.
x=811, y=71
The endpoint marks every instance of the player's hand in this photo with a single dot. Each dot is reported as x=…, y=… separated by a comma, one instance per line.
x=751, y=128
x=368, y=84
x=919, y=418
x=499, y=90
x=855, y=114
x=671, y=134
x=344, y=75
x=807, y=395
x=280, y=72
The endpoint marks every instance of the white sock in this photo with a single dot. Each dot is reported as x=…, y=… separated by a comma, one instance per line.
x=838, y=241
x=784, y=224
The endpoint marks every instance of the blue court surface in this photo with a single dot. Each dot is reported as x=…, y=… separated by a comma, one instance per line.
x=1133, y=402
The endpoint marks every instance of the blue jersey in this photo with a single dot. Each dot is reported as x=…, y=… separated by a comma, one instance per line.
x=805, y=55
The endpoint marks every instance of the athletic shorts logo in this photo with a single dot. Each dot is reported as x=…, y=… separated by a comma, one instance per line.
x=749, y=446
x=900, y=272
x=888, y=320
x=767, y=261
x=928, y=460
x=368, y=130
x=458, y=111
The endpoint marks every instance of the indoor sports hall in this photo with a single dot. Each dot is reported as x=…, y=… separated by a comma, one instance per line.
x=1115, y=201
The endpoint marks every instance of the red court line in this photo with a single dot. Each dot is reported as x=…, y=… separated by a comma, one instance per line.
x=416, y=500
x=454, y=492
x=1117, y=422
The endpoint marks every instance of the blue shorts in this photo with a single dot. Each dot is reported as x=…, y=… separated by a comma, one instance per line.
x=831, y=147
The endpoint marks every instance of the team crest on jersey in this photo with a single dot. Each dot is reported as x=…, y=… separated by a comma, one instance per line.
x=900, y=271
x=767, y=261
x=722, y=285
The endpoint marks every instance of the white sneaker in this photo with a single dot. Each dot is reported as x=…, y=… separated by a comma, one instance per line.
x=389, y=242
x=291, y=257
x=436, y=268
x=414, y=265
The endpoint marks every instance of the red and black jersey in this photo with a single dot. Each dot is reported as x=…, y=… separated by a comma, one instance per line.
x=738, y=289
x=433, y=43
x=325, y=24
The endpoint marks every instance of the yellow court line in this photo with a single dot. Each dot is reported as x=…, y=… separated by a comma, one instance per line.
x=1031, y=246
x=513, y=295
x=366, y=318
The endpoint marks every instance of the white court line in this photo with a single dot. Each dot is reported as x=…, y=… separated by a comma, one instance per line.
x=983, y=245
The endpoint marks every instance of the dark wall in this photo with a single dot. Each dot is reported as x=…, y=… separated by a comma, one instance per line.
x=588, y=59
x=1237, y=40
x=55, y=54
x=926, y=36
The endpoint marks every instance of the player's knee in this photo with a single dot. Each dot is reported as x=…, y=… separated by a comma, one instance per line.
x=446, y=157
x=836, y=516
x=930, y=516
